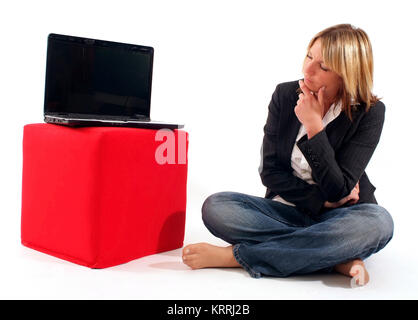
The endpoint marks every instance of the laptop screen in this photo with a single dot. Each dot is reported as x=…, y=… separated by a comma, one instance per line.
x=97, y=77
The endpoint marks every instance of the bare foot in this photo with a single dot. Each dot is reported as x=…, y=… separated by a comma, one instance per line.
x=355, y=269
x=205, y=255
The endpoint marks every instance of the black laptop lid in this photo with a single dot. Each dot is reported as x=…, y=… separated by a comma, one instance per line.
x=96, y=77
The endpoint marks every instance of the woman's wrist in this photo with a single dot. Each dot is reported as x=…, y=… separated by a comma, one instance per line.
x=314, y=129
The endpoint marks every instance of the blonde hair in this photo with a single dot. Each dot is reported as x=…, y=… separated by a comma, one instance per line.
x=347, y=51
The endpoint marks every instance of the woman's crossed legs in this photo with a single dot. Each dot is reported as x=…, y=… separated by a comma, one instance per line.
x=273, y=239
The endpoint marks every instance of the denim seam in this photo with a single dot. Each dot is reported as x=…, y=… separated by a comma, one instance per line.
x=252, y=273
x=274, y=218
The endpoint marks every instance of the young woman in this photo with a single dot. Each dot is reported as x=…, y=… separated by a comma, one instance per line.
x=319, y=212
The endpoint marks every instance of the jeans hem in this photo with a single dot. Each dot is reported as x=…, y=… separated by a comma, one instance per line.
x=247, y=268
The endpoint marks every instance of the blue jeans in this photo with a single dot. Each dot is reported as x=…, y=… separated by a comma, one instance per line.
x=273, y=239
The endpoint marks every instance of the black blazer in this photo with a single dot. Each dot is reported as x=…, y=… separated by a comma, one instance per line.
x=338, y=155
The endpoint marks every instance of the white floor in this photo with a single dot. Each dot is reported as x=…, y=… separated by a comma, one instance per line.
x=28, y=274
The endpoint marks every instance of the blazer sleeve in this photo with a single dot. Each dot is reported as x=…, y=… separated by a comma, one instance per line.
x=336, y=173
x=279, y=178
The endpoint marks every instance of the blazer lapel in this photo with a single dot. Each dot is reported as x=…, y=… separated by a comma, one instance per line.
x=337, y=129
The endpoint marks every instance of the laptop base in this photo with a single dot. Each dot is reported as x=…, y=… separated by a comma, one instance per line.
x=149, y=124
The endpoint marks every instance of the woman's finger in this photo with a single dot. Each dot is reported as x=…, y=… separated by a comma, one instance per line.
x=304, y=88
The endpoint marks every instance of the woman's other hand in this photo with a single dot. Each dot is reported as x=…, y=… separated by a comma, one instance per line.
x=310, y=109
x=352, y=198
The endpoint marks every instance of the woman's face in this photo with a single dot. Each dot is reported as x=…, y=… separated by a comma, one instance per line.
x=317, y=74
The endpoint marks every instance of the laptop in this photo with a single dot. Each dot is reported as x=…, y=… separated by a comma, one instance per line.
x=93, y=82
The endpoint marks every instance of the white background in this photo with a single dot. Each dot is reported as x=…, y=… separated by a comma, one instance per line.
x=216, y=65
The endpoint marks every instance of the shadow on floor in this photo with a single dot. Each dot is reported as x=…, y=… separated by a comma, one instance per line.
x=334, y=280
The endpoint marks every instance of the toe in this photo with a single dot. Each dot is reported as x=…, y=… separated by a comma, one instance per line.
x=194, y=248
x=188, y=249
x=190, y=260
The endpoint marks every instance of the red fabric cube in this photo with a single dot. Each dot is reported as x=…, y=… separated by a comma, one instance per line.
x=97, y=196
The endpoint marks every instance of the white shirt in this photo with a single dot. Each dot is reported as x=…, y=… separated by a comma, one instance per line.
x=301, y=168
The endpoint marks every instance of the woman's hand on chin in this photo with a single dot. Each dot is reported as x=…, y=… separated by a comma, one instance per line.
x=310, y=110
